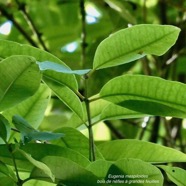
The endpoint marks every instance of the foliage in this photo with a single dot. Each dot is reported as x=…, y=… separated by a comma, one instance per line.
x=121, y=76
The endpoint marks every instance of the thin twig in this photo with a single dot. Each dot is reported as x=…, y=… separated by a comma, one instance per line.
x=30, y=22
x=17, y=25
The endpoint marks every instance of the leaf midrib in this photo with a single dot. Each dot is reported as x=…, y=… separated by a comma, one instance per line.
x=134, y=50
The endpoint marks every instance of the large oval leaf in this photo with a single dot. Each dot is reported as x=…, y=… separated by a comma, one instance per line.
x=147, y=94
x=134, y=43
x=136, y=149
x=20, y=78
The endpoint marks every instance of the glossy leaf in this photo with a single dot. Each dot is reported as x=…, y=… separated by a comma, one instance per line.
x=28, y=133
x=21, y=79
x=142, y=150
x=4, y=128
x=175, y=174
x=40, y=55
x=66, y=172
x=48, y=65
x=33, y=108
x=147, y=94
x=134, y=43
x=40, y=165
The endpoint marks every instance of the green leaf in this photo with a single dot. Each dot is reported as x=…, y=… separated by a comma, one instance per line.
x=4, y=128
x=28, y=133
x=134, y=43
x=47, y=65
x=64, y=93
x=66, y=172
x=40, y=165
x=113, y=111
x=126, y=172
x=145, y=173
x=175, y=174
x=147, y=95
x=6, y=180
x=33, y=108
x=136, y=149
x=76, y=141
x=100, y=168
x=21, y=79
x=40, y=55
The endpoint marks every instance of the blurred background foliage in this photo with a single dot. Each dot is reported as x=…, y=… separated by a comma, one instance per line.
x=57, y=26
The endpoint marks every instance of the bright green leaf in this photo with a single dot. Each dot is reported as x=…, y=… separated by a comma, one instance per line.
x=21, y=78
x=47, y=65
x=145, y=173
x=40, y=55
x=66, y=172
x=33, y=108
x=126, y=171
x=100, y=168
x=64, y=93
x=147, y=94
x=175, y=174
x=40, y=165
x=4, y=128
x=113, y=111
x=76, y=141
x=134, y=43
x=136, y=149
